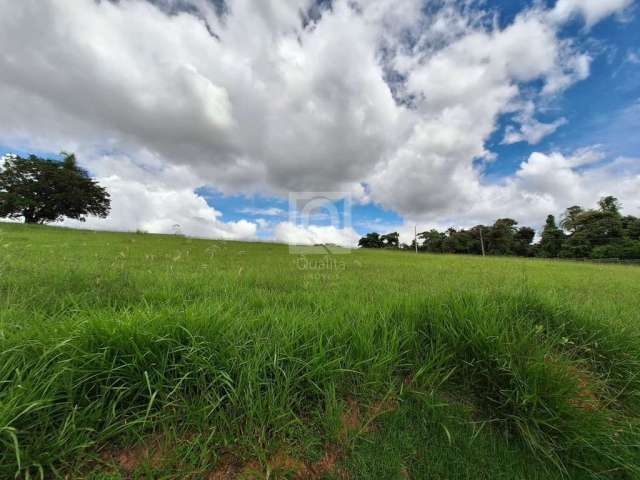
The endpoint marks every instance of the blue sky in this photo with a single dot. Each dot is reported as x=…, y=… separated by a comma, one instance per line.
x=599, y=109
x=226, y=124
x=364, y=217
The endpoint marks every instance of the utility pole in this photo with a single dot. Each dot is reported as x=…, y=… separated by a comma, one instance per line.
x=481, y=242
x=415, y=237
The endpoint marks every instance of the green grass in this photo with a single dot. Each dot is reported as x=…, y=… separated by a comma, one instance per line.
x=149, y=356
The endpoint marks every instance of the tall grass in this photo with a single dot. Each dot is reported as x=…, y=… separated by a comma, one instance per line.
x=107, y=338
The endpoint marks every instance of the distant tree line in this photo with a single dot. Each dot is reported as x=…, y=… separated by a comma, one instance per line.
x=582, y=233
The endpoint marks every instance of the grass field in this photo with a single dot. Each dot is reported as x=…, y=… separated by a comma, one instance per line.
x=148, y=356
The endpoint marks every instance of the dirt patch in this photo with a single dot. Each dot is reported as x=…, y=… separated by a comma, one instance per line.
x=149, y=452
x=585, y=397
x=228, y=467
x=281, y=465
x=350, y=420
x=381, y=407
x=328, y=464
x=356, y=420
x=286, y=465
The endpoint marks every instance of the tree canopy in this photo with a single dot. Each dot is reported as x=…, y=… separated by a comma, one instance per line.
x=552, y=239
x=583, y=233
x=41, y=190
x=375, y=240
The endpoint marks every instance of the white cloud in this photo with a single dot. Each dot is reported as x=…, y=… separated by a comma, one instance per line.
x=366, y=93
x=268, y=212
x=292, y=234
x=592, y=10
x=548, y=183
x=129, y=73
x=577, y=67
x=577, y=179
x=159, y=210
x=160, y=200
x=530, y=130
x=633, y=57
x=263, y=224
x=465, y=87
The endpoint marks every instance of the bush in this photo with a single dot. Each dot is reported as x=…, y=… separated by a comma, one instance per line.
x=624, y=250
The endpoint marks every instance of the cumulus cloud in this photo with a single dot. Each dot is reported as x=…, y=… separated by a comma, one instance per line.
x=160, y=210
x=131, y=73
x=549, y=183
x=464, y=88
x=530, y=130
x=592, y=10
x=577, y=179
x=268, y=212
x=287, y=232
x=382, y=100
x=158, y=199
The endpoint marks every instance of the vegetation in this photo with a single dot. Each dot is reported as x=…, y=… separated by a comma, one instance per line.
x=40, y=190
x=600, y=233
x=148, y=356
x=375, y=240
x=502, y=238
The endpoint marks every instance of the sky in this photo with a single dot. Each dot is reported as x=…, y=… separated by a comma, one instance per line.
x=230, y=118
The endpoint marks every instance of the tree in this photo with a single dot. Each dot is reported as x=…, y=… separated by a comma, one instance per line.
x=372, y=240
x=391, y=240
x=570, y=218
x=623, y=250
x=552, y=239
x=375, y=240
x=42, y=190
x=522, y=242
x=631, y=226
x=593, y=228
x=433, y=241
x=610, y=205
x=501, y=237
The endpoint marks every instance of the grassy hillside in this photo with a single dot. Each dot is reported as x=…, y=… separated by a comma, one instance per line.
x=148, y=356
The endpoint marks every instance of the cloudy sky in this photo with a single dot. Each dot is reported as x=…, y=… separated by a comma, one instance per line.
x=208, y=114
